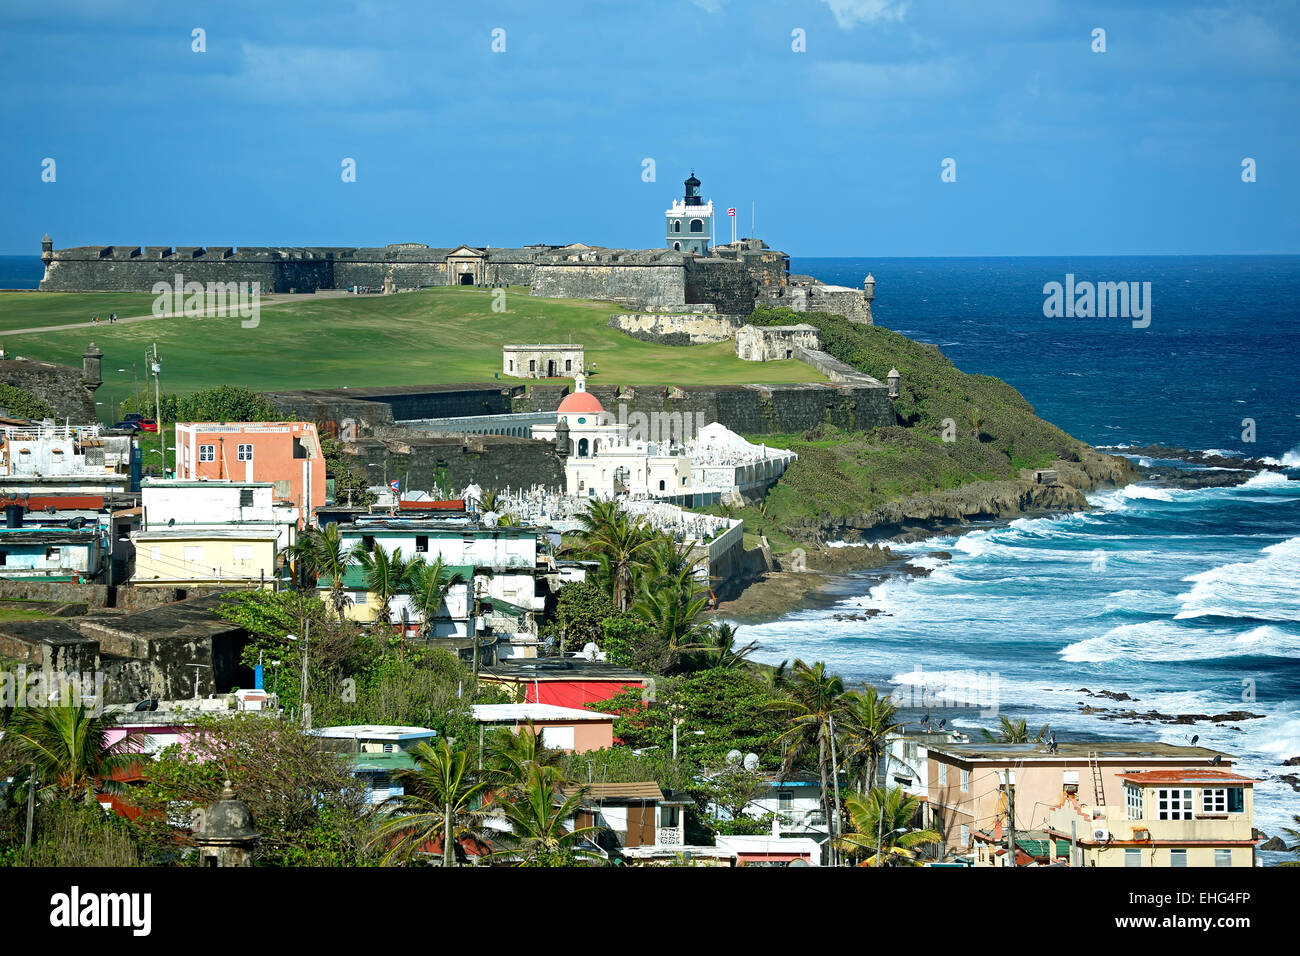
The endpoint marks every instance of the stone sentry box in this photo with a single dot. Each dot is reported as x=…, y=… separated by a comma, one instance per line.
x=542, y=361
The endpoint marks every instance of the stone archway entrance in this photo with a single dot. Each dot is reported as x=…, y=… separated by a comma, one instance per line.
x=467, y=278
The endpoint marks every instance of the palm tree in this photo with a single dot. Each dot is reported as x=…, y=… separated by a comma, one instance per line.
x=385, y=575
x=489, y=500
x=508, y=756
x=881, y=823
x=322, y=555
x=538, y=815
x=1016, y=732
x=1293, y=833
x=726, y=655
x=814, y=698
x=429, y=584
x=866, y=725
x=619, y=543
x=675, y=612
x=68, y=747
x=441, y=802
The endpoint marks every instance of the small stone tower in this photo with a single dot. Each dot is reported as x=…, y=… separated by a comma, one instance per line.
x=690, y=221
x=869, y=288
x=562, y=439
x=892, y=380
x=225, y=835
x=92, y=375
x=47, y=249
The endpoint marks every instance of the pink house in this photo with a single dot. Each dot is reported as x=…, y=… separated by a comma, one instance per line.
x=288, y=454
x=562, y=728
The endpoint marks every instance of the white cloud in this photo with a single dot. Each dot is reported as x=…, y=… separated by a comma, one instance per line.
x=849, y=13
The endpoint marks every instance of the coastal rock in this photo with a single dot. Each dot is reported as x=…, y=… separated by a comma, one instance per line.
x=1109, y=694
x=1155, y=716
x=1291, y=762
x=1274, y=845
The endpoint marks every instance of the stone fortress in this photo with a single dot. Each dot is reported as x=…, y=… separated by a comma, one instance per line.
x=689, y=291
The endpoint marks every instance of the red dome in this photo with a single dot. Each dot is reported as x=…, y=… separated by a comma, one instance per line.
x=580, y=403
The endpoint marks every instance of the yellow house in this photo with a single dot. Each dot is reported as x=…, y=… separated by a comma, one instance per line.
x=174, y=556
x=1191, y=817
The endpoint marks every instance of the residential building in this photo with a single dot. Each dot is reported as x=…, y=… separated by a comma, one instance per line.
x=1184, y=817
x=763, y=850
x=969, y=786
x=906, y=762
x=633, y=815
x=206, y=505
x=78, y=554
x=564, y=682
x=496, y=596
x=286, y=454
x=235, y=557
x=377, y=753
x=571, y=729
x=47, y=458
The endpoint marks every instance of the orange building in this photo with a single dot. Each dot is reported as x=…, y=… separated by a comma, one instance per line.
x=285, y=453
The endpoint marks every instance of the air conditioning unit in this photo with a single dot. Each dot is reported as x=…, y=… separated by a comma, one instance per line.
x=1101, y=834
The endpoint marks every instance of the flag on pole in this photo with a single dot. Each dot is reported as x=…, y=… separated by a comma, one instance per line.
x=395, y=485
x=731, y=211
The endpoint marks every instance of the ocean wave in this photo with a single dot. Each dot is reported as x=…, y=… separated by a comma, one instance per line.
x=1157, y=641
x=1290, y=459
x=1267, y=588
x=1267, y=479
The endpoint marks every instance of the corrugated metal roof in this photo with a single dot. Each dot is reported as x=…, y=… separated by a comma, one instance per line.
x=620, y=791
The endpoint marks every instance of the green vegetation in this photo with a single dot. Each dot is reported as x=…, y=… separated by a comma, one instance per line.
x=953, y=428
x=23, y=404
x=418, y=338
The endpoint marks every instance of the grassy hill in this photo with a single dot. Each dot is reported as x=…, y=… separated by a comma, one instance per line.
x=993, y=430
x=417, y=338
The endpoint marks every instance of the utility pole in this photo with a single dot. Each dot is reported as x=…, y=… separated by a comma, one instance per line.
x=306, y=707
x=835, y=789
x=1074, y=853
x=1011, y=819
x=31, y=811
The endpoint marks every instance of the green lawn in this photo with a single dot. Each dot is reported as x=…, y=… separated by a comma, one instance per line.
x=418, y=338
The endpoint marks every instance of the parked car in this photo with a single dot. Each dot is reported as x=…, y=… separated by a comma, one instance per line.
x=144, y=424
x=128, y=425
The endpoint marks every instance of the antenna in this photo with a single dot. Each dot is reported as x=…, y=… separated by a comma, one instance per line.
x=196, y=677
x=734, y=757
x=751, y=762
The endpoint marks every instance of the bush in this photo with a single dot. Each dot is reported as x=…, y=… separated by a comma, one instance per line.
x=23, y=404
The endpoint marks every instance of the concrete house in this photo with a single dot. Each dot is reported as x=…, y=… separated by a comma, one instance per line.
x=571, y=729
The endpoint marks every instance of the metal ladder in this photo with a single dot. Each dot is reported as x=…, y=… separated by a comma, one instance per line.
x=1097, y=788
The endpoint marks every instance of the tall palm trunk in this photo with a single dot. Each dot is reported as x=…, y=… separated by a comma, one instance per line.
x=835, y=779
x=821, y=769
x=448, y=854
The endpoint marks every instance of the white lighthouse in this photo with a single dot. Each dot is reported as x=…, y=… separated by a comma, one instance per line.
x=690, y=221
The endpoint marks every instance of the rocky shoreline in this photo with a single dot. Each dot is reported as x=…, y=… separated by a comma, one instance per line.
x=1228, y=471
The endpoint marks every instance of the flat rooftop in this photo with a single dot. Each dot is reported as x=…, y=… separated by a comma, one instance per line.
x=1103, y=750
x=373, y=732
x=560, y=668
x=514, y=713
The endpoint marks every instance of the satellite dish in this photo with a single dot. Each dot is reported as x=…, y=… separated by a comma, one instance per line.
x=751, y=762
x=734, y=757
x=1218, y=759
x=590, y=650
x=170, y=522
x=1195, y=737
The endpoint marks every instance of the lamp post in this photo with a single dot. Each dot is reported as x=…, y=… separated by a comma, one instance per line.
x=136, y=379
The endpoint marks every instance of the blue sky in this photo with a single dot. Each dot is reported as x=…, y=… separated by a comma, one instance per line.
x=1059, y=150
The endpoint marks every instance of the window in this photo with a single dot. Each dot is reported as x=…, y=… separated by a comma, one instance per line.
x=388, y=748
x=51, y=554
x=668, y=816
x=532, y=365
x=784, y=801
x=557, y=738
x=964, y=835
x=245, y=497
x=241, y=552
x=1177, y=857
x=677, y=225
x=1132, y=857
x=1174, y=804
x=943, y=775
x=1236, y=800
x=1133, y=801
x=568, y=365
x=244, y=453
x=1214, y=800
x=421, y=542
x=193, y=553
x=512, y=365
x=697, y=225
x=965, y=781
x=1223, y=858
x=661, y=485
x=155, y=554
x=282, y=489
x=4, y=557
x=207, y=453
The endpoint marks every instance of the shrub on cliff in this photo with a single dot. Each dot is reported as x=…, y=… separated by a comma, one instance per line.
x=23, y=404
x=224, y=403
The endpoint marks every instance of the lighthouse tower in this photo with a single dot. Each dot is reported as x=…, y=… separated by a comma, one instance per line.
x=690, y=221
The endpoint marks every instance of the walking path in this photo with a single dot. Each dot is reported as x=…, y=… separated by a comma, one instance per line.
x=275, y=298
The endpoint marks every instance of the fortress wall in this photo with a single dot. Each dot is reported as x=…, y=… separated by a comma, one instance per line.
x=677, y=328
x=490, y=461
x=641, y=284
x=850, y=303
x=60, y=386
x=403, y=275
x=89, y=273
x=724, y=283
x=746, y=409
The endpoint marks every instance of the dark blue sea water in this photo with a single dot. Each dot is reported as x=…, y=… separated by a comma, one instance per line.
x=1186, y=600
x=20, y=272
